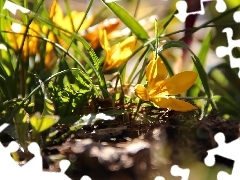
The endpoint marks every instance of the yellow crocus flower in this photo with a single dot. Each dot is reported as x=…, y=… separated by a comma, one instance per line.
x=30, y=41
x=56, y=14
x=161, y=89
x=92, y=33
x=117, y=54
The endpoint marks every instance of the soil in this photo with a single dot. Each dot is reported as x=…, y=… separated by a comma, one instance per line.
x=142, y=151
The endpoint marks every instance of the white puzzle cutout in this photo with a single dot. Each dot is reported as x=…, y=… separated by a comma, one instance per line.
x=159, y=178
x=222, y=51
x=227, y=150
x=182, y=14
x=9, y=169
x=177, y=172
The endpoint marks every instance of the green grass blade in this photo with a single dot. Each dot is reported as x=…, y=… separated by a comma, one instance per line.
x=94, y=62
x=165, y=21
x=165, y=61
x=194, y=91
x=127, y=19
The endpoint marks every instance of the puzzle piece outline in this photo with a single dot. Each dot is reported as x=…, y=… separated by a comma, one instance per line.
x=222, y=51
x=177, y=172
x=33, y=168
x=227, y=150
x=182, y=14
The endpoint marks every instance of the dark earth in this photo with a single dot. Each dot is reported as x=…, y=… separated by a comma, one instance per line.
x=140, y=150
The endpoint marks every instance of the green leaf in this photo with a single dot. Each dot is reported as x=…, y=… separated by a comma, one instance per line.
x=48, y=107
x=94, y=62
x=21, y=122
x=165, y=21
x=225, y=105
x=64, y=66
x=166, y=63
x=42, y=123
x=127, y=19
x=48, y=104
x=194, y=91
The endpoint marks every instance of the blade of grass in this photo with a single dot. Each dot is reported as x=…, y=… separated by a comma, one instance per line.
x=127, y=19
x=168, y=19
x=19, y=62
x=202, y=57
x=165, y=61
x=136, y=65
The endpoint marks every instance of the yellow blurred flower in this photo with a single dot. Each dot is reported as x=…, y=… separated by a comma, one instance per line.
x=68, y=23
x=72, y=23
x=92, y=34
x=16, y=38
x=161, y=89
x=117, y=54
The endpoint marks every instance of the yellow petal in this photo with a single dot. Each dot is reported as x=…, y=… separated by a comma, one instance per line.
x=181, y=82
x=103, y=39
x=112, y=62
x=30, y=43
x=77, y=18
x=129, y=43
x=119, y=53
x=156, y=73
x=69, y=23
x=50, y=60
x=174, y=104
x=92, y=34
x=141, y=92
x=125, y=49
x=109, y=62
x=55, y=12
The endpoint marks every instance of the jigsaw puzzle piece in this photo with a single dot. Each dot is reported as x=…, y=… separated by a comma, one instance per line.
x=182, y=14
x=224, y=176
x=7, y=162
x=236, y=16
x=222, y=51
x=36, y=161
x=220, y=6
x=227, y=150
x=177, y=171
x=210, y=159
x=5, y=155
x=87, y=178
x=159, y=178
